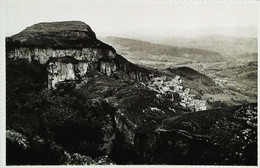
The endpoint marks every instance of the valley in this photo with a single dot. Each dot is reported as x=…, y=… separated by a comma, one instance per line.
x=234, y=72
x=75, y=100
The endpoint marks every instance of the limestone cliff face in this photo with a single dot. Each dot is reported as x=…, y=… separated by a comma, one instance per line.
x=58, y=39
x=65, y=69
x=44, y=54
x=70, y=49
x=126, y=70
x=107, y=67
x=132, y=71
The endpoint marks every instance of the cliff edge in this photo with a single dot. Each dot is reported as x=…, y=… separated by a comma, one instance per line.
x=60, y=40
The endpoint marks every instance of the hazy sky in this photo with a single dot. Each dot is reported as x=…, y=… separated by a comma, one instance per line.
x=116, y=18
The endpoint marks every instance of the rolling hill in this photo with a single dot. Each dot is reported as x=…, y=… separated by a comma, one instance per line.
x=228, y=46
x=154, y=55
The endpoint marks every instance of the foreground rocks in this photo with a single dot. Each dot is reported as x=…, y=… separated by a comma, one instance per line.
x=41, y=152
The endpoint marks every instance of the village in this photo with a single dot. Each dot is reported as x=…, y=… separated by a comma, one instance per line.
x=174, y=90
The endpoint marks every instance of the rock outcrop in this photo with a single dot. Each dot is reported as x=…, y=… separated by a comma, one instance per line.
x=65, y=69
x=37, y=148
x=45, y=41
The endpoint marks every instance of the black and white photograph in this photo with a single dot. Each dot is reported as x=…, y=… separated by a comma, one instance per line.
x=120, y=82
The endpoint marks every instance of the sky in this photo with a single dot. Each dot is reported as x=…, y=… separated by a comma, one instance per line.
x=126, y=18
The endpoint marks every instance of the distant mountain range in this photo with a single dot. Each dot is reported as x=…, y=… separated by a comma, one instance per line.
x=210, y=48
x=155, y=34
x=229, y=46
x=150, y=53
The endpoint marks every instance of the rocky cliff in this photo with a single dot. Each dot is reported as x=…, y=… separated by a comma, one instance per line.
x=44, y=54
x=44, y=41
x=104, y=117
x=65, y=69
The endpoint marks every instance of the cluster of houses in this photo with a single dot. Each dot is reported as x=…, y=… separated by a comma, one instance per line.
x=174, y=91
